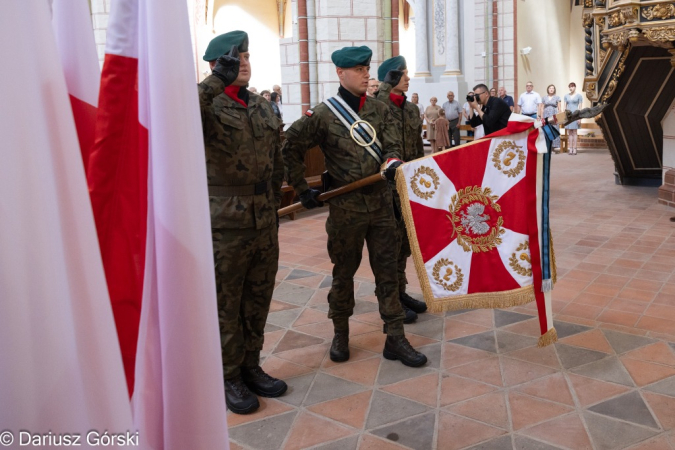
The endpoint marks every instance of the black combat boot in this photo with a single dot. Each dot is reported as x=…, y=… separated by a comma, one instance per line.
x=339, y=349
x=412, y=303
x=410, y=315
x=261, y=383
x=398, y=347
x=238, y=398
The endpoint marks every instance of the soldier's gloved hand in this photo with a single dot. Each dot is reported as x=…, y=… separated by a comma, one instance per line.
x=309, y=199
x=393, y=77
x=390, y=171
x=227, y=66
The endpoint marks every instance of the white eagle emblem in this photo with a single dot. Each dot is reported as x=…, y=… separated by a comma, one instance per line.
x=475, y=220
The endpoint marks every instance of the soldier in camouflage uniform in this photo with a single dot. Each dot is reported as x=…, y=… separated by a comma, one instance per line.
x=245, y=173
x=363, y=215
x=393, y=73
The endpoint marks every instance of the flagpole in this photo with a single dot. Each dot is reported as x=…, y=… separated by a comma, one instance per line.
x=334, y=193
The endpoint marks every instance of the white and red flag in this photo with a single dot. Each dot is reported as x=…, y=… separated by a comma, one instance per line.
x=477, y=221
x=71, y=21
x=148, y=183
x=60, y=366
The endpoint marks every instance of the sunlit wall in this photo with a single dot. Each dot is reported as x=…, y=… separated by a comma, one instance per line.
x=259, y=18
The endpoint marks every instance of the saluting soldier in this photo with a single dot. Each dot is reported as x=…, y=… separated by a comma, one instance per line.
x=245, y=172
x=355, y=150
x=393, y=73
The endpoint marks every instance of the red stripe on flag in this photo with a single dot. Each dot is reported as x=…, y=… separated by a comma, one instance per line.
x=511, y=205
x=431, y=243
x=465, y=168
x=488, y=274
x=85, y=122
x=118, y=185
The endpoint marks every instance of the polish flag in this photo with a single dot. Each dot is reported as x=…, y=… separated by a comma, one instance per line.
x=148, y=168
x=60, y=370
x=74, y=35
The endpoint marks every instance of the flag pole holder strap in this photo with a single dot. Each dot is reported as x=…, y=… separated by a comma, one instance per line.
x=351, y=132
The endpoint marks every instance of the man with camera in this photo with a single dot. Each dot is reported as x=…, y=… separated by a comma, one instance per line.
x=491, y=112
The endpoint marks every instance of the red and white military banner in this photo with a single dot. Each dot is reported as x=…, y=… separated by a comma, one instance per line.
x=473, y=215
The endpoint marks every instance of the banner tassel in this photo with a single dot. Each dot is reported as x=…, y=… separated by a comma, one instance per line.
x=547, y=285
x=548, y=338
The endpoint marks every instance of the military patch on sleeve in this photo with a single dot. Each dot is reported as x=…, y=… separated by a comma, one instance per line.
x=309, y=113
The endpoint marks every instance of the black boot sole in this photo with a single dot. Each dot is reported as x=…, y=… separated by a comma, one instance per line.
x=336, y=358
x=266, y=394
x=393, y=357
x=409, y=321
x=242, y=411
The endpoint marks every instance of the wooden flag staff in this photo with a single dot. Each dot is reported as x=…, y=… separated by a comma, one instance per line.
x=334, y=193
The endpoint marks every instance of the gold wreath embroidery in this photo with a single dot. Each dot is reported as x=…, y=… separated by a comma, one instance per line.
x=512, y=151
x=525, y=256
x=475, y=196
x=443, y=272
x=425, y=176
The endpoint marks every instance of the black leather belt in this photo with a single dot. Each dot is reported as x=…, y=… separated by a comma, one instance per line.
x=371, y=188
x=240, y=191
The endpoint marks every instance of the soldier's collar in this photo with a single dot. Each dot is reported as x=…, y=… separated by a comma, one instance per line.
x=399, y=100
x=238, y=94
x=354, y=102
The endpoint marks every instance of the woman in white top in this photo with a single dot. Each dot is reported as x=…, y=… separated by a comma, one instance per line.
x=573, y=101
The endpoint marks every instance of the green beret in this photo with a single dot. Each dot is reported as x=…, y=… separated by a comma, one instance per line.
x=222, y=44
x=395, y=63
x=352, y=56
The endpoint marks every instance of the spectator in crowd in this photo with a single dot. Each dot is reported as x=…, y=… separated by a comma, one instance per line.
x=275, y=99
x=573, y=101
x=442, y=136
x=551, y=105
x=276, y=88
x=467, y=112
x=266, y=95
x=415, y=100
x=507, y=98
x=453, y=114
x=253, y=90
x=373, y=86
x=493, y=92
x=492, y=112
x=529, y=103
x=431, y=115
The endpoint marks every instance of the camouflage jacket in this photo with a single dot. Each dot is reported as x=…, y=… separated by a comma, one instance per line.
x=408, y=121
x=346, y=161
x=243, y=147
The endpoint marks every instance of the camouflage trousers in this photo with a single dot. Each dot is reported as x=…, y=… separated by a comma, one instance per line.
x=404, y=253
x=246, y=262
x=347, y=231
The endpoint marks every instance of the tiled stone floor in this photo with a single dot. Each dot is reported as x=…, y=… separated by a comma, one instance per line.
x=609, y=383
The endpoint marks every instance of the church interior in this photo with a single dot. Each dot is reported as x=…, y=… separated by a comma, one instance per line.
x=609, y=381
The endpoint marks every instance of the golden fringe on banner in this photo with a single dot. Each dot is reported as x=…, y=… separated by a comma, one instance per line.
x=489, y=300
x=548, y=338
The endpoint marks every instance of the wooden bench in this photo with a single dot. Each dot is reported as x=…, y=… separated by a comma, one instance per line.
x=564, y=137
x=465, y=138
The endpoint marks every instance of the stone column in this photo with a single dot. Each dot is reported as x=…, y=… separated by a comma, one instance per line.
x=421, y=39
x=452, y=65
